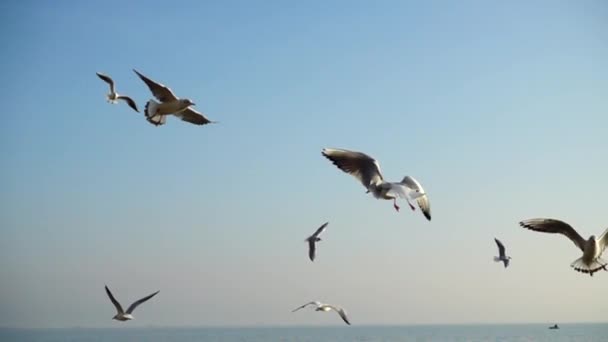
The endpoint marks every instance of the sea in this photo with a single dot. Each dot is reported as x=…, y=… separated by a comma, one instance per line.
x=445, y=333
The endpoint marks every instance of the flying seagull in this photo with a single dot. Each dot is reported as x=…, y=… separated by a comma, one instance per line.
x=367, y=170
x=501, y=253
x=593, y=248
x=325, y=308
x=313, y=239
x=113, y=96
x=169, y=104
x=121, y=315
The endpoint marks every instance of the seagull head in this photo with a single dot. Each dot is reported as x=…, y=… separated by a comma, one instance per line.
x=187, y=102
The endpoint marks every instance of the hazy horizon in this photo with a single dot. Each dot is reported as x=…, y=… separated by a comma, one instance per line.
x=498, y=109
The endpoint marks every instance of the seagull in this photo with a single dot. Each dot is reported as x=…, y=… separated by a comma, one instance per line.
x=169, y=104
x=113, y=96
x=593, y=248
x=313, y=239
x=325, y=308
x=121, y=315
x=367, y=170
x=501, y=253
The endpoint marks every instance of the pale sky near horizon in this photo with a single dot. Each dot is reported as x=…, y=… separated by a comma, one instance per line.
x=498, y=108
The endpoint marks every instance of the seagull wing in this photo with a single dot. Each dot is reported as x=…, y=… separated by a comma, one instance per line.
x=192, y=116
x=129, y=101
x=311, y=249
x=603, y=240
x=423, y=199
x=160, y=91
x=114, y=301
x=555, y=226
x=137, y=303
x=501, y=248
x=365, y=168
x=107, y=79
x=341, y=312
x=320, y=230
x=305, y=305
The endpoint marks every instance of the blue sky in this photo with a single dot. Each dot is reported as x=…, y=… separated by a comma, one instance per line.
x=499, y=109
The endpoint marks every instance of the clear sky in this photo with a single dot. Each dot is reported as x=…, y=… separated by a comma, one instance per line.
x=498, y=108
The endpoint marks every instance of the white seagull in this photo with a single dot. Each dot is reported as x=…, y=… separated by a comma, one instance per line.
x=501, y=253
x=121, y=315
x=113, y=96
x=169, y=104
x=367, y=170
x=325, y=308
x=593, y=248
x=313, y=239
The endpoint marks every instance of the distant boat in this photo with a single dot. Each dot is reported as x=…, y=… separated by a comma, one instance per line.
x=554, y=327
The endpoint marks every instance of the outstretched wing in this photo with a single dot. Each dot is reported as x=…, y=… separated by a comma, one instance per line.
x=603, y=240
x=305, y=305
x=137, y=303
x=129, y=101
x=114, y=301
x=363, y=167
x=312, y=248
x=501, y=248
x=423, y=199
x=342, y=313
x=160, y=91
x=320, y=230
x=193, y=117
x=107, y=79
x=555, y=226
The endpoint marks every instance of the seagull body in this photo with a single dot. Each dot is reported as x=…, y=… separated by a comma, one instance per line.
x=592, y=248
x=113, y=96
x=501, y=253
x=121, y=315
x=169, y=104
x=367, y=170
x=313, y=239
x=325, y=307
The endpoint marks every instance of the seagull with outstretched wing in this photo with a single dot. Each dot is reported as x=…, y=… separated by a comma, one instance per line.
x=313, y=239
x=156, y=112
x=121, y=315
x=113, y=96
x=325, y=307
x=501, y=253
x=367, y=170
x=592, y=248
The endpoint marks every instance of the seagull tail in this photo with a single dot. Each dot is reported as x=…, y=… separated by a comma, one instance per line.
x=596, y=265
x=151, y=115
x=497, y=259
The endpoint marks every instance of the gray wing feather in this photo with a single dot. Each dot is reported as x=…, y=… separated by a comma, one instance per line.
x=423, y=201
x=107, y=79
x=305, y=305
x=604, y=240
x=357, y=164
x=160, y=91
x=342, y=313
x=137, y=303
x=320, y=230
x=129, y=101
x=501, y=248
x=555, y=226
x=114, y=301
x=193, y=117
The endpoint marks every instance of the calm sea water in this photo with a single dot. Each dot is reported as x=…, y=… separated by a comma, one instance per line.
x=530, y=332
